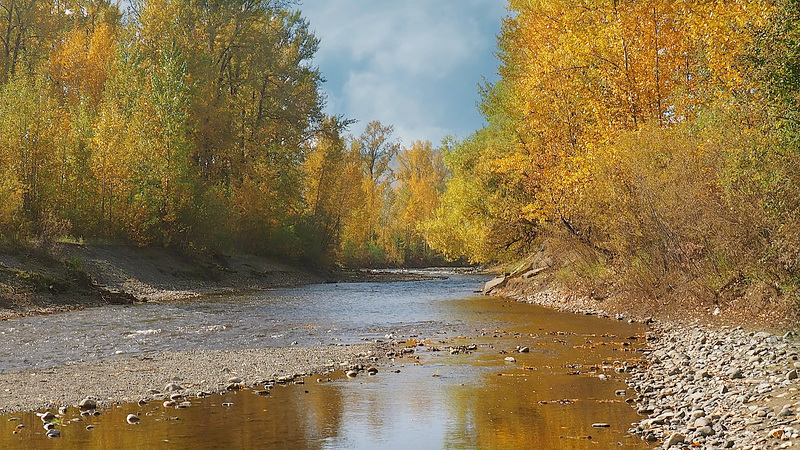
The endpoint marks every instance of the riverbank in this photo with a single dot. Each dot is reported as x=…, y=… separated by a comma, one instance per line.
x=719, y=388
x=75, y=276
x=708, y=383
x=190, y=374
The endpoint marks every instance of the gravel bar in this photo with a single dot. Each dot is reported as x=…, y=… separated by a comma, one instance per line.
x=191, y=373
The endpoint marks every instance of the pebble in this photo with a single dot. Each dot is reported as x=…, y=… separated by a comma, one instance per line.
x=132, y=419
x=54, y=433
x=46, y=416
x=88, y=403
x=172, y=387
x=674, y=439
x=601, y=425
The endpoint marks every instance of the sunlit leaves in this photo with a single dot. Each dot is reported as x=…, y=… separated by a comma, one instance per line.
x=580, y=79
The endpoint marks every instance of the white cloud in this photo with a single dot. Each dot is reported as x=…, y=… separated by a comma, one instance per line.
x=404, y=62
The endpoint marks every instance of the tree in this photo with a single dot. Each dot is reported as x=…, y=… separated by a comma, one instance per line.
x=29, y=133
x=420, y=179
x=333, y=183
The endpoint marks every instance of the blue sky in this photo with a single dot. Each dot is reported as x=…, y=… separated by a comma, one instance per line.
x=414, y=64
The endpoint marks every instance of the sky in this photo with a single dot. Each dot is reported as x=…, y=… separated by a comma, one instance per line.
x=413, y=64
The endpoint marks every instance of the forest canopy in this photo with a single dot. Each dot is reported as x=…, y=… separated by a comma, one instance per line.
x=199, y=126
x=655, y=143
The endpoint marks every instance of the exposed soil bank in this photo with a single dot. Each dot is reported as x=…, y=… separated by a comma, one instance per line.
x=75, y=276
x=192, y=373
x=714, y=380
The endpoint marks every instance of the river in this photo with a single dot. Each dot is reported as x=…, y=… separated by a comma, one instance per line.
x=547, y=398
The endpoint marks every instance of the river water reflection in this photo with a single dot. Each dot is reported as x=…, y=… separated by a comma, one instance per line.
x=547, y=399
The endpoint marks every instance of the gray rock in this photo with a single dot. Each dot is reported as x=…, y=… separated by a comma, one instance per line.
x=706, y=431
x=88, y=403
x=791, y=375
x=54, y=433
x=132, y=419
x=675, y=439
x=702, y=422
x=172, y=387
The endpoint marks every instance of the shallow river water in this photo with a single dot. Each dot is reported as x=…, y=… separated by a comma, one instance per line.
x=549, y=398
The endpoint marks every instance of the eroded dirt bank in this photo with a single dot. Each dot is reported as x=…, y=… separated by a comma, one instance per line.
x=74, y=276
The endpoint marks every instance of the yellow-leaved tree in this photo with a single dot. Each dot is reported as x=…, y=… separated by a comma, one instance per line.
x=420, y=182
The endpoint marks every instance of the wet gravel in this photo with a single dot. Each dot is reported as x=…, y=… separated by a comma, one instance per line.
x=191, y=373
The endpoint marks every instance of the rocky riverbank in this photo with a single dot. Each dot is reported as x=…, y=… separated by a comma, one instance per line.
x=189, y=374
x=719, y=388
x=706, y=385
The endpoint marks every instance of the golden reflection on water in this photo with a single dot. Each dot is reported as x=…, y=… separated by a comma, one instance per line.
x=474, y=400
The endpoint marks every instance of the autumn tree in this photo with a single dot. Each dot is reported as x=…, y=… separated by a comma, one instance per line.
x=650, y=139
x=333, y=181
x=29, y=134
x=420, y=182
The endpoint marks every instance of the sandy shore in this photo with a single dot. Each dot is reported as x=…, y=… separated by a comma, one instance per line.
x=129, y=379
